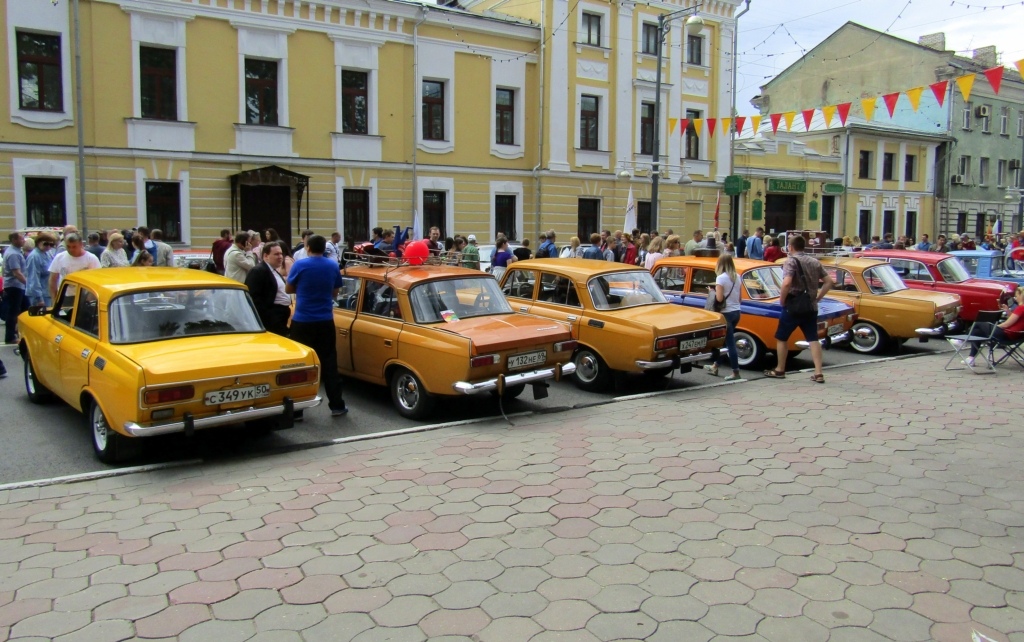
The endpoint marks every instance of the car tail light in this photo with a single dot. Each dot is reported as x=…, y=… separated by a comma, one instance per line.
x=852, y=318
x=485, y=360
x=565, y=346
x=293, y=377
x=169, y=395
x=666, y=344
x=939, y=315
x=718, y=333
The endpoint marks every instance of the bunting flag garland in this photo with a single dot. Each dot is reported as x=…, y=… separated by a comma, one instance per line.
x=698, y=125
x=828, y=111
x=914, y=95
x=1020, y=67
x=684, y=124
x=939, y=90
x=672, y=122
x=739, y=124
x=844, y=112
x=789, y=116
x=775, y=118
x=711, y=126
x=995, y=77
x=808, y=114
x=868, y=105
x=755, y=123
x=723, y=124
x=964, y=84
x=890, y=102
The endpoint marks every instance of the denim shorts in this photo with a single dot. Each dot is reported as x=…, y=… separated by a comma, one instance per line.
x=788, y=323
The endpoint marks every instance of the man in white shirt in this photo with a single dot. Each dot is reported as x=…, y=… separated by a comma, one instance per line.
x=239, y=259
x=333, y=250
x=164, y=256
x=73, y=259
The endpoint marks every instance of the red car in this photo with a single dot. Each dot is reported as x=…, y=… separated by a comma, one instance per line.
x=941, y=272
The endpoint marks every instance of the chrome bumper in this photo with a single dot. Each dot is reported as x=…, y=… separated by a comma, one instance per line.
x=223, y=419
x=842, y=337
x=939, y=331
x=466, y=388
x=674, y=362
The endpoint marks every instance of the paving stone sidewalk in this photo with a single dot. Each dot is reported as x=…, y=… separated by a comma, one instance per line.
x=887, y=504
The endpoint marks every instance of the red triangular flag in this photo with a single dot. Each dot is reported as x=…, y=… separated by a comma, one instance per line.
x=939, y=89
x=808, y=115
x=684, y=124
x=775, y=118
x=739, y=124
x=844, y=112
x=995, y=77
x=711, y=126
x=890, y=102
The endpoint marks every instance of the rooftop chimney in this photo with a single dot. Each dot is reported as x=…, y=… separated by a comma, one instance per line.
x=986, y=56
x=935, y=41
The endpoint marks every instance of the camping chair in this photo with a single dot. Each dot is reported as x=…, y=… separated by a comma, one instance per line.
x=961, y=343
x=1011, y=349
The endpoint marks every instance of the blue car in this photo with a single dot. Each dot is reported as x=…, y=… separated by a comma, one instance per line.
x=988, y=264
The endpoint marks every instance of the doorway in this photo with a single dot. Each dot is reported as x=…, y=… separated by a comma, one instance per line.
x=780, y=213
x=828, y=215
x=266, y=206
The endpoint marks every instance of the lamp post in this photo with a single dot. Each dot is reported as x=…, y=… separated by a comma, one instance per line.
x=693, y=25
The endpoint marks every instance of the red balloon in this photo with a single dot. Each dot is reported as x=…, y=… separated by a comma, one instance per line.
x=416, y=252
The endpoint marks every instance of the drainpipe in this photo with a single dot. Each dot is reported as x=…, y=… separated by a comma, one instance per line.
x=540, y=129
x=847, y=179
x=734, y=201
x=415, y=81
x=84, y=222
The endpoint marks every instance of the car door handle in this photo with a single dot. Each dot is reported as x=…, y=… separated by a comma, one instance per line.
x=343, y=332
x=387, y=343
x=523, y=308
x=571, y=317
x=58, y=338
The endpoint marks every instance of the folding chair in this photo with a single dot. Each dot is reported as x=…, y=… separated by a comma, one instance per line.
x=1011, y=349
x=961, y=343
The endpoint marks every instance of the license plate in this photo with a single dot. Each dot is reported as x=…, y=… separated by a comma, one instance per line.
x=693, y=344
x=834, y=330
x=235, y=395
x=527, y=359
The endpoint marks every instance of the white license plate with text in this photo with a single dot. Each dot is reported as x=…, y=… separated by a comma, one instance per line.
x=693, y=344
x=235, y=395
x=527, y=359
x=834, y=330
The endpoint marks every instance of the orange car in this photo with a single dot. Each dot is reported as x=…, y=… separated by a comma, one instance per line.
x=685, y=280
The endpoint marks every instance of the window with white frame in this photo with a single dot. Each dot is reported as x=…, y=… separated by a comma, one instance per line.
x=986, y=121
x=39, y=64
x=436, y=97
x=163, y=209
x=505, y=116
x=433, y=110
x=964, y=168
x=649, y=39
x=591, y=31
x=355, y=101
x=39, y=71
x=647, y=128
x=695, y=50
x=692, y=143
x=263, y=77
x=983, y=174
x=1001, y=168
x=590, y=122
x=1020, y=124
x=508, y=120
x=966, y=123
x=1004, y=121
x=261, y=92
x=46, y=201
x=158, y=83
x=158, y=67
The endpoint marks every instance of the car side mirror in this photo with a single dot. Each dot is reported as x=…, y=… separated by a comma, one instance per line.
x=38, y=311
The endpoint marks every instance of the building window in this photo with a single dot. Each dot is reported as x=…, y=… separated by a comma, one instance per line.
x=1020, y=124
x=910, y=168
x=505, y=216
x=434, y=211
x=39, y=72
x=356, y=203
x=163, y=209
x=966, y=124
x=865, y=164
x=643, y=216
x=433, y=110
x=647, y=128
x=979, y=226
x=1004, y=121
x=505, y=117
x=864, y=226
x=46, y=203
x=355, y=103
x=649, y=39
x=888, y=222
x=961, y=222
x=986, y=121
x=964, y=168
x=589, y=218
x=983, y=175
x=911, y=228
x=591, y=29
x=692, y=139
x=260, y=92
x=695, y=50
x=158, y=69
x=888, y=160
x=1001, y=173
x=589, y=122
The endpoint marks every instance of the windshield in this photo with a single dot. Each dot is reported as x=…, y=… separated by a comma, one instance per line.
x=882, y=279
x=624, y=290
x=999, y=266
x=953, y=271
x=454, y=299
x=763, y=283
x=152, y=316
x=971, y=265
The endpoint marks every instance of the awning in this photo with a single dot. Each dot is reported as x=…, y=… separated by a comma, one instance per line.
x=270, y=175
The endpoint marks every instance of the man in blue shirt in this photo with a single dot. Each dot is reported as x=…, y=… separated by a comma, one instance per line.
x=315, y=282
x=14, y=285
x=755, y=246
x=924, y=245
x=547, y=249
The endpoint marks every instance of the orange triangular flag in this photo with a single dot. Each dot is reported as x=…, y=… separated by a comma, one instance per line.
x=828, y=111
x=939, y=90
x=890, y=102
x=672, y=122
x=1020, y=67
x=684, y=124
x=868, y=105
x=698, y=125
x=711, y=126
x=844, y=112
x=723, y=124
x=914, y=95
x=808, y=114
x=775, y=118
x=755, y=123
x=995, y=77
x=739, y=124
x=788, y=117
x=965, y=83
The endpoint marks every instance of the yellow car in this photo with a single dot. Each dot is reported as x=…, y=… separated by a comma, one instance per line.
x=151, y=351
x=887, y=310
x=618, y=315
x=434, y=331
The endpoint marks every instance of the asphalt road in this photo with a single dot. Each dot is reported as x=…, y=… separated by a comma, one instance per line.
x=42, y=442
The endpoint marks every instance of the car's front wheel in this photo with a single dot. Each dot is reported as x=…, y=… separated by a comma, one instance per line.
x=868, y=338
x=409, y=396
x=110, y=446
x=592, y=373
x=37, y=392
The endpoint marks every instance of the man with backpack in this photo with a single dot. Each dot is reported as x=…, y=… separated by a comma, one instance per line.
x=547, y=249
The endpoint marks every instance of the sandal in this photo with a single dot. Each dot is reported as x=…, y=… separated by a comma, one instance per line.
x=818, y=378
x=774, y=374
x=712, y=370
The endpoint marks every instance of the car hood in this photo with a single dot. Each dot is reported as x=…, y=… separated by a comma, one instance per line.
x=507, y=331
x=220, y=355
x=988, y=285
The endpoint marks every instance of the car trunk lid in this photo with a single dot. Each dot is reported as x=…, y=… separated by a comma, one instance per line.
x=498, y=333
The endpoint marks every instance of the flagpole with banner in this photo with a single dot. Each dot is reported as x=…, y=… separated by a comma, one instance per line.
x=630, y=223
x=718, y=205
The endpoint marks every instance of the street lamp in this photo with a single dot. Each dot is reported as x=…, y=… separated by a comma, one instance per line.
x=693, y=25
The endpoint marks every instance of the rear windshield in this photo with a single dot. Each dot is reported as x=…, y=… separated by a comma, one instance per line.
x=882, y=279
x=154, y=316
x=454, y=299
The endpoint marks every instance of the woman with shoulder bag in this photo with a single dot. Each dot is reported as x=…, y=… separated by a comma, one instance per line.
x=725, y=298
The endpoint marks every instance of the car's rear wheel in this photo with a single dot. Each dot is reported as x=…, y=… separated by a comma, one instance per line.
x=409, y=396
x=37, y=392
x=868, y=338
x=749, y=350
x=110, y=446
x=592, y=373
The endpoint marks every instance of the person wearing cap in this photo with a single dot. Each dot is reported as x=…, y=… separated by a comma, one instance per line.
x=471, y=253
x=114, y=255
x=966, y=242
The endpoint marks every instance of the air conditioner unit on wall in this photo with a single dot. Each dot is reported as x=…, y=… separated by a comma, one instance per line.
x=1014, y=163
x=958, y=179
x=982, y=111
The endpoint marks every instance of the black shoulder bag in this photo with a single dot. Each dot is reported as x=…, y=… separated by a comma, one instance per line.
x=800, y=303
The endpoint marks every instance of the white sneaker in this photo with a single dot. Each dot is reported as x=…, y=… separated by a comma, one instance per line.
x=958, y=343
x=969, y=362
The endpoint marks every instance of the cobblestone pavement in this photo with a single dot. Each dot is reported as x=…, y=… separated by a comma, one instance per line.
x=887, y=504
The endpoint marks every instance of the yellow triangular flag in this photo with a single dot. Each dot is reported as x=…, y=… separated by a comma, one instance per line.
x=828, y=111
x=724, y=123
x=698, y=125
x=672, y=122
x=1020, y=67
x=915, y=96
x=788, y=117
x=755, y=123
x=868, y=105
x=965, y=83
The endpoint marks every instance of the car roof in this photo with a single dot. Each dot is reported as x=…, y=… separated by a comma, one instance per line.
x=112, y=281
x=709, y=262
x=406, y=276
x=976, y=253
x=578, y=269
x=851, y=264
x=911, y=255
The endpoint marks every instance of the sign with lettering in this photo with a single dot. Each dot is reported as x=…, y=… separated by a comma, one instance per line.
x=755, y=209
x=782, y=185
x=832, y=188
x=733, y=185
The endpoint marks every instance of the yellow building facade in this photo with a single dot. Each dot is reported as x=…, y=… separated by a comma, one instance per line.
x=199, y=115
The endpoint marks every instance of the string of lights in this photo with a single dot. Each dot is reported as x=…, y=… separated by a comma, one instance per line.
x=984, y=7
x=873, y=41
